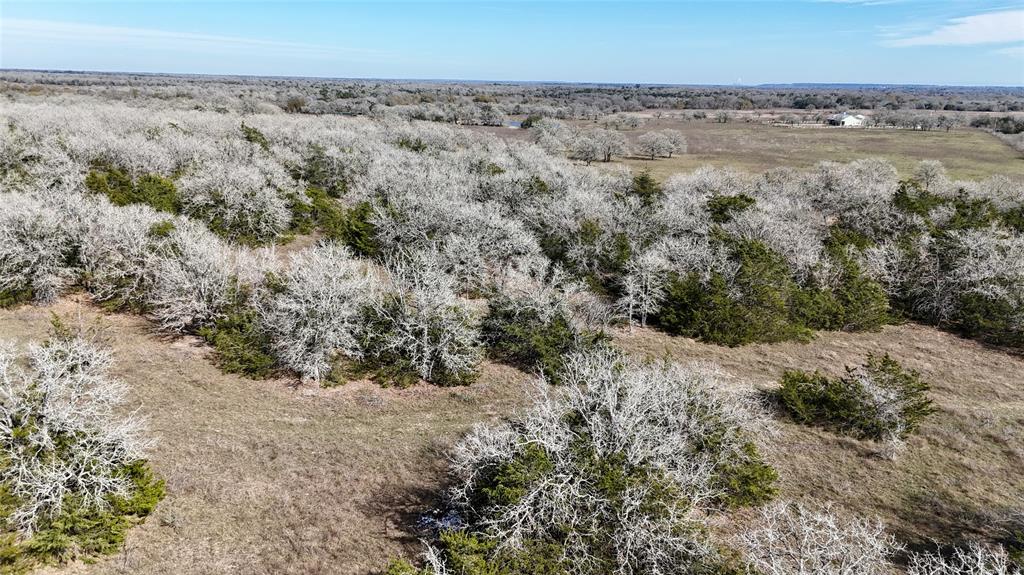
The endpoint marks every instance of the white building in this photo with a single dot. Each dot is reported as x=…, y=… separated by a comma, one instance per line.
x=846, y=120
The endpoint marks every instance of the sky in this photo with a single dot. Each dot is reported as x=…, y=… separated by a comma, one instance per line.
x=953, y=42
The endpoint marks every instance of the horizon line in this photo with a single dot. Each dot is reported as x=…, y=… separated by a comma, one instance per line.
x=874, y=85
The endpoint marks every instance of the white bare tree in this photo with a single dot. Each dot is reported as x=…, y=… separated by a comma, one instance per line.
x=585, y=147
x=422, y=320
x=192, y=278
x=931, y=174
x=615, y=409
x=975, y=559
x=643, y=286
x=678, y=141
x=794, y=538
x=985, y=262
x=315, y=309
x=62, y=428
x=653, y=145
x=38, y=238
x=609, y=143
x=243, y=200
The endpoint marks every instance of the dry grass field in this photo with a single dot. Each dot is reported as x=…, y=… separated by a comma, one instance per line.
x=959, y=477
x=756, y=147
x=268, y=477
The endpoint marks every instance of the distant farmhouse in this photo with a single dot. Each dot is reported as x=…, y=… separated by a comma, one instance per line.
x=846, y=119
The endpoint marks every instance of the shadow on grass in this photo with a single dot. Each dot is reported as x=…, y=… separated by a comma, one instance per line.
x=955, y=523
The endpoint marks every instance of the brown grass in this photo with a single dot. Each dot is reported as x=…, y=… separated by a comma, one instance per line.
x=269, y=477
x=958, y=477
x=756, y=147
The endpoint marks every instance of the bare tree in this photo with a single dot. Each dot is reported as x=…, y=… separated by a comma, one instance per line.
x=949, y=121
x=614, y=409
x=192, y=278
x=930, y=174
x=37, y=241
x=653, y=144
x=422, y=320
x=678, y=141
x=315, y=310
x=817, y=540
x=644, y=286
x=975, y=559
x=62, y=429
x=585, y=147
x=609, y=143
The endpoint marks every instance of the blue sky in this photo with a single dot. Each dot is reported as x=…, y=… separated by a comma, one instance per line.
x=962, y=42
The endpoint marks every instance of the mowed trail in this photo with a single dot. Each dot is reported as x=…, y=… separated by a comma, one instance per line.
x=274, y=477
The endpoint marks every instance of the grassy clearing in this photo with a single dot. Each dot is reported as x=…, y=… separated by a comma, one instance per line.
x=960, y=473
x=755, y=147
x=967, y=154
x=264, y=477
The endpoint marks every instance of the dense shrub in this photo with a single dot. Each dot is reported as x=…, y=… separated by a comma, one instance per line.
x=722, y=208
x=879, y=400
x=529, y=335
x=939, y=212
x=862, y=302
x=254, y=136
x=530, y=120
x=353, y=227
x=72, y=474
x=420, y=329
x=645, y=187
x=350, y=226
x=325, y=171
x=737, y=290
x=613, y=472
x=856, y=302
x=413, y=145
x=752, y=306
x=121, y=189
x=242, y=343
x=471, y=554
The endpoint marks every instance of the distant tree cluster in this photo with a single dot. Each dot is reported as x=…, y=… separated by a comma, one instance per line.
x=491, y=104
x=170, y=214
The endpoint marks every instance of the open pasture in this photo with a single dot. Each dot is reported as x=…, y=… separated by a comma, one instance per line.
x=755, y=147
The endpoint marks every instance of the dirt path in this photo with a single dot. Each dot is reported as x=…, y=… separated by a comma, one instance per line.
x=265, y=477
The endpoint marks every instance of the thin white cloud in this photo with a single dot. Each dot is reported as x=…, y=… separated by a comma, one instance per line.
x=146, y=38
x=989, y=28
x=1014, y=51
